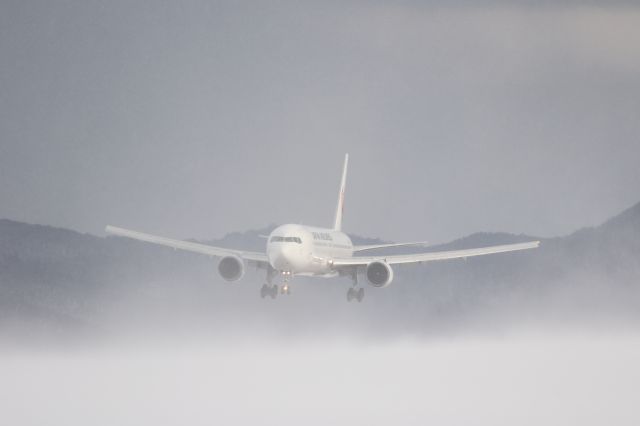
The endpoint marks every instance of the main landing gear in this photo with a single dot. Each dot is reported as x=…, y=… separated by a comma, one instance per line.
x=355, y=293
x=273, y=290
x=267, y=290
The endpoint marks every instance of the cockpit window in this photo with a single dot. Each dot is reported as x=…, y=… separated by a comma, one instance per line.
x=277, y=239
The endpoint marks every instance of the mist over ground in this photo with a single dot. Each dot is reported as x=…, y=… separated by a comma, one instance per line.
x=527, y=378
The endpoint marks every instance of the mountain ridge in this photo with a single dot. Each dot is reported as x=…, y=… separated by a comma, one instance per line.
x=75, y=278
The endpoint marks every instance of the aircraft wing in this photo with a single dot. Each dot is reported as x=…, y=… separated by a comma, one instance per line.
x=431, y=256
x=188, y=245
x=379, y=246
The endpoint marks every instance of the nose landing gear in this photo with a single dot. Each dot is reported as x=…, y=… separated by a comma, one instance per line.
x=286, y=276
x=355, y=293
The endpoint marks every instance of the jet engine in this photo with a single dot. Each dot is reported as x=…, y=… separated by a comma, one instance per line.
x=379, y=274
x=231, y=268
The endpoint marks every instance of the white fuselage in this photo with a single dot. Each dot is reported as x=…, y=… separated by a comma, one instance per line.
x=306, y=250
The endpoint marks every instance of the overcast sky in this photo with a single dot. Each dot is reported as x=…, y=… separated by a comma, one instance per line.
x=192, y=119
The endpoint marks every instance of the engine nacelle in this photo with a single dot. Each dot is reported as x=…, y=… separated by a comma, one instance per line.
x=231, y=268
x=379, y=274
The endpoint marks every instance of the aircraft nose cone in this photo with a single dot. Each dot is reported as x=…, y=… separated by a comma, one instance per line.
x=284, y=259
x=279, y=260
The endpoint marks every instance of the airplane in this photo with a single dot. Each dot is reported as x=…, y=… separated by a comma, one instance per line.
x=300, y=250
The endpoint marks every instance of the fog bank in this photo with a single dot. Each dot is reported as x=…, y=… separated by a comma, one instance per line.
x=526, y=378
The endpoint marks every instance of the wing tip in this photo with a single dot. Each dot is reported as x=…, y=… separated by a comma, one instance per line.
x=109, y=229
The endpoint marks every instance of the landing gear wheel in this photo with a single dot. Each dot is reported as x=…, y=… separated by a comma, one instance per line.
x=263, y=291
x=350, y=294
x=360, y=294
x=273, y=291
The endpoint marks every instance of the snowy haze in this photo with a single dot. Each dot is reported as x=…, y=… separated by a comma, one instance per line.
x=193, y=119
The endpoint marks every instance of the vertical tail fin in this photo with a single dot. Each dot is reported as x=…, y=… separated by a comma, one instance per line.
x=339, y=210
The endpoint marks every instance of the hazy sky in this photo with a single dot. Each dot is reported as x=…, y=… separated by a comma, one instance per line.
x=191, y=119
